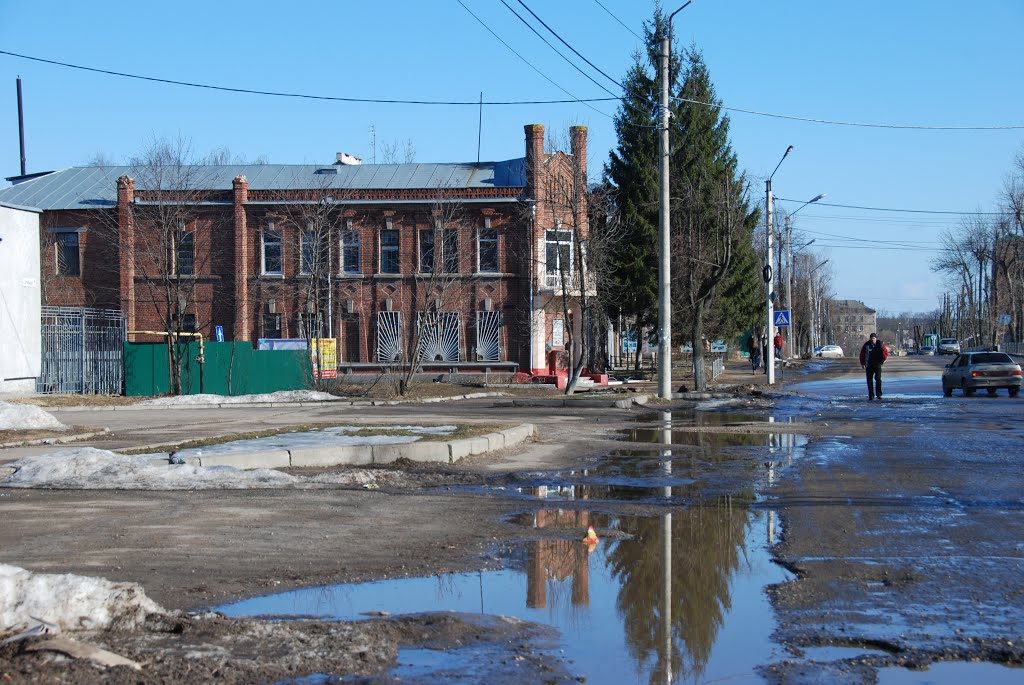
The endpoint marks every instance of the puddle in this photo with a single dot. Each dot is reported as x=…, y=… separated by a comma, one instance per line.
x=702, y=418
x=952, y=673
x=673, y=598
x=326, y=437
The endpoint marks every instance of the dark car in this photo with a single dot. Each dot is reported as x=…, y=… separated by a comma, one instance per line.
x=990, y=371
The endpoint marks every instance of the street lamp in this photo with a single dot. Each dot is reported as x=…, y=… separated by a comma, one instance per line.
x=789, y=265
x=664, y=260
x=769, y=277
x=810, y=300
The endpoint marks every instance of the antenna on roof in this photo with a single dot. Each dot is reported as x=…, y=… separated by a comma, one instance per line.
x=21, y=128
x=479, y=128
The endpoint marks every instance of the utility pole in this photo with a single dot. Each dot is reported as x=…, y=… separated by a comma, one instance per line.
x=789, y=283
x=664, y=258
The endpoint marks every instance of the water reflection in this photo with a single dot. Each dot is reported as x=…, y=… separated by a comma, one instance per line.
x=663, y=599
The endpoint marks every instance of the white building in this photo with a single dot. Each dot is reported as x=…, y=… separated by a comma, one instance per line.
x=19, y=298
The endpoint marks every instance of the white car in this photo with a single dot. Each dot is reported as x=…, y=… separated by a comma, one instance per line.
x=949, y=346
x=829, y=351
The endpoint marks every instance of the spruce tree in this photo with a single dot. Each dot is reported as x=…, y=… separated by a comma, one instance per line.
x=714, y=266
x=632, y=173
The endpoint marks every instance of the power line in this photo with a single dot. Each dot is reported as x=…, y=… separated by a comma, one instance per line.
x=916, y=127
x=476, y=103
x=575, y=51
x=890, y=209
x=383, y=101
x=601, y=5
x=491, y=31
x=557, y=52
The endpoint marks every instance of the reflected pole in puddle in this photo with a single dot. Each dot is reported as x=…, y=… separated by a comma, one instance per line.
x=666, y=541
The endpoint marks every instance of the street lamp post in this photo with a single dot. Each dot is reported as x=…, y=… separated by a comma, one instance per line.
x=789, y=267
x=664, y=259
x=813, y=309
x=769, y=277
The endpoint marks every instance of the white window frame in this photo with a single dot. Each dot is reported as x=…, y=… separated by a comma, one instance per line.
x=479, y=247
x=271, y=228
x=307, y=238
x=358, y=245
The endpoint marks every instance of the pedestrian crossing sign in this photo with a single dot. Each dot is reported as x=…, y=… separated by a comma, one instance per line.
x=782, y=317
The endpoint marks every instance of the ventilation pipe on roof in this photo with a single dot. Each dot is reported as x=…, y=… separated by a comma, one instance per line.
x=347, y=159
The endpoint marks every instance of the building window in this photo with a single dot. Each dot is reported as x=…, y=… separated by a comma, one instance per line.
x=427, y=251
x=185, y=254
x=350, y=251
x=271, y=325
x=273, y=264
x=307, y=252
x=451, y=250
x=389, y=263
x=68, y=257
x=557, y=255
x=487, y=248
x=188, y=323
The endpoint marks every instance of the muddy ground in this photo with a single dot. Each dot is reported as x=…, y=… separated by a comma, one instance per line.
x=194, y=550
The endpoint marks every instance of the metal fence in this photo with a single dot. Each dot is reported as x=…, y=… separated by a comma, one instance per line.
x=82, y=351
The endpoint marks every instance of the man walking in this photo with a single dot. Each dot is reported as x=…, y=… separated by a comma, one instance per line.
x=873, y=354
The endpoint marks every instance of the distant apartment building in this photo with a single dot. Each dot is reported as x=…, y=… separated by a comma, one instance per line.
x=849, y=323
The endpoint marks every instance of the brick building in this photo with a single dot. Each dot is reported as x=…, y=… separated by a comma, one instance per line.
x=850, y=322
x=451, y=263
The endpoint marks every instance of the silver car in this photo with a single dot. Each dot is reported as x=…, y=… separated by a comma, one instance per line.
x=990, y=371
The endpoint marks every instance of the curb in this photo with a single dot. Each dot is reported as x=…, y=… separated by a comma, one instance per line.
x=587, y=403
x=248, y=405
x=54, y=441
x=362, y=455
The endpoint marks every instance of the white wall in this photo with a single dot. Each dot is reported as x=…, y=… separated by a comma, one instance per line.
x=19, y=299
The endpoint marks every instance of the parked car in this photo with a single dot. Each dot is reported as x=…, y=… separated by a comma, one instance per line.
x=826, y=351
x=949, y=346
x=973, y=371
x=927, y=349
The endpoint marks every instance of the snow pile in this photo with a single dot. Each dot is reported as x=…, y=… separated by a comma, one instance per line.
x=282, y=396
x=71, y=602
x=92, y=469
x=26, y=416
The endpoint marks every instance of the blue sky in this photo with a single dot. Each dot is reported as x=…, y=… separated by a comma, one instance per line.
x=909, y=63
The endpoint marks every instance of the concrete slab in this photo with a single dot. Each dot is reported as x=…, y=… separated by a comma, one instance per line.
x=495, y=441
x=270, y=459
x=518, y=434
x=478, y=445
x=332, y=456
x=457, y=449
x=416, y=451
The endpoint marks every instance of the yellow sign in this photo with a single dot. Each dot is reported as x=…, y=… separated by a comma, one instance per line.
x=324, y=355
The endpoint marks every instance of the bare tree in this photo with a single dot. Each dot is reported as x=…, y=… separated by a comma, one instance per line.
x=438, y=291
x=965, y=259
x=171, y=245
x=397, y=153
x=309, y=225
x=710, y=219
x=576, y=257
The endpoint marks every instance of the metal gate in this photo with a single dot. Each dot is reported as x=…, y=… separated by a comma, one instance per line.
x=82, y=351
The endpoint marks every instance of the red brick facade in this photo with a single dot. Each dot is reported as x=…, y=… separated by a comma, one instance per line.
x=236, y=284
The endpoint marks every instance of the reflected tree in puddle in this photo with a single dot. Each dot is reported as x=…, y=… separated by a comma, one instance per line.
x=707, y=543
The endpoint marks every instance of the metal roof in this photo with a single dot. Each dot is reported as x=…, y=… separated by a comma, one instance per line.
x=92, y=187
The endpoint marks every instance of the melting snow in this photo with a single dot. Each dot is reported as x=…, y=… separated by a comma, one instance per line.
x=26, y=416
x=282, y=396
x=70, y=601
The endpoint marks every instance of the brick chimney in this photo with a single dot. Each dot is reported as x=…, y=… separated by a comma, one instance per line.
x=578, y=147
x=240, y=186
x=126, y=247
x=534, y=160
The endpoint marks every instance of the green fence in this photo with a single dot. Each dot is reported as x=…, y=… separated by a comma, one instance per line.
x=230, y=368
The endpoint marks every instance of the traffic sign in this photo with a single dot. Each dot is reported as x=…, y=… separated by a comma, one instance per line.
x=782, y=317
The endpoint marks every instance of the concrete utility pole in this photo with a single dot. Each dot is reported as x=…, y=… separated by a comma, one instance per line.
x=789, y=284
x=664, y=244
x=769, y=277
